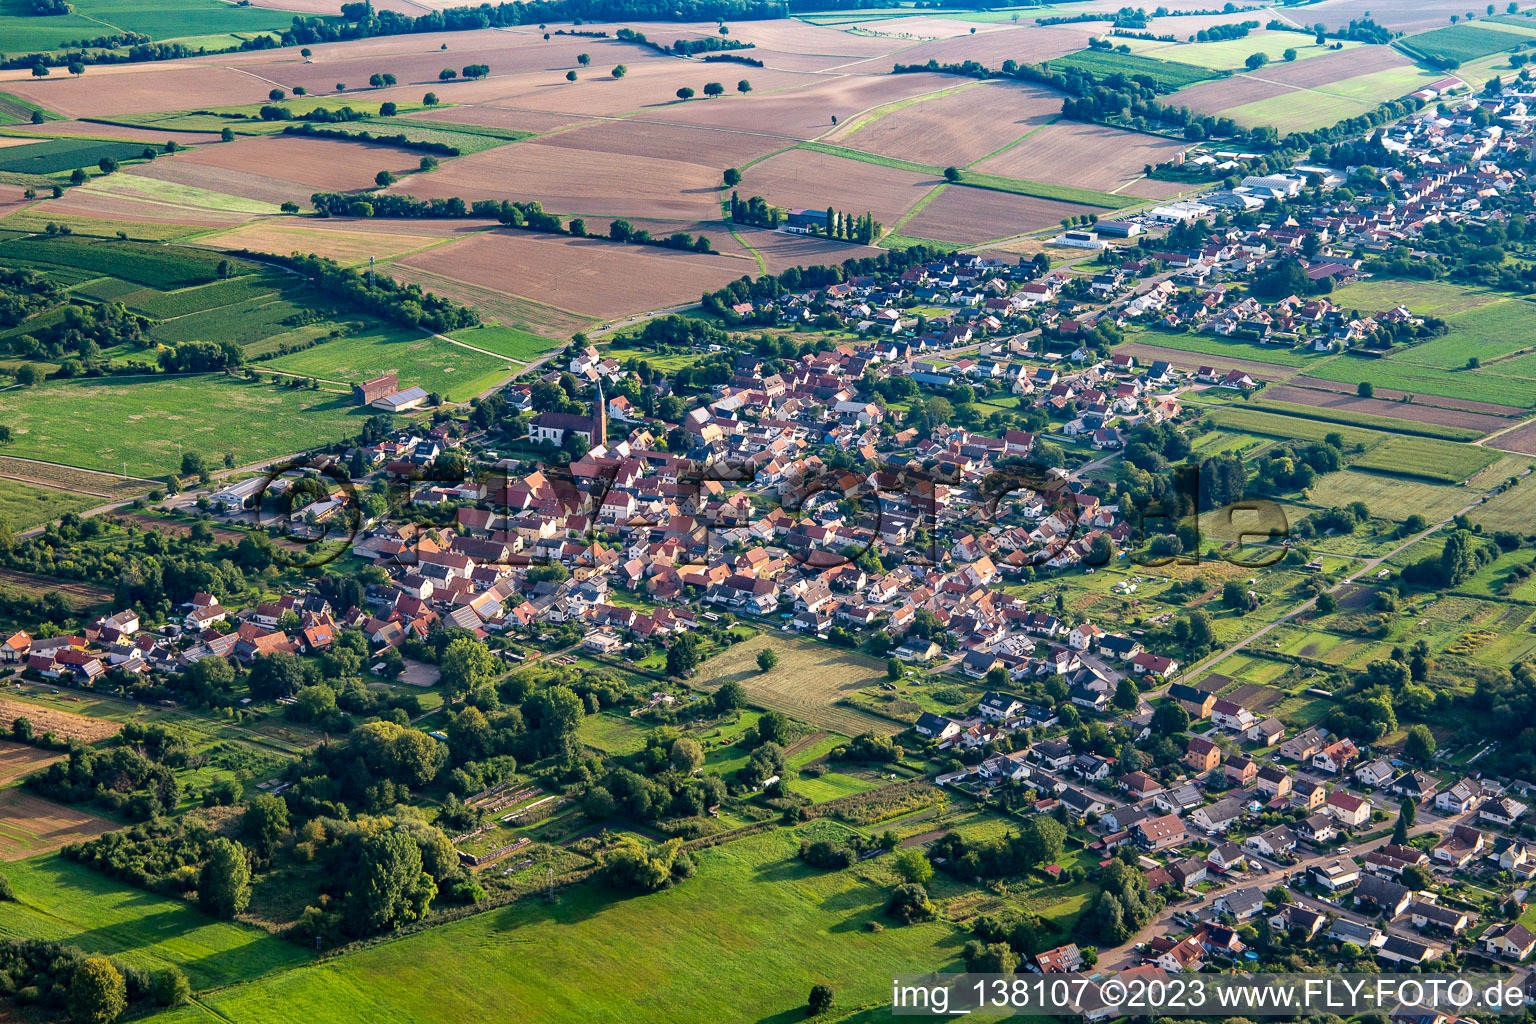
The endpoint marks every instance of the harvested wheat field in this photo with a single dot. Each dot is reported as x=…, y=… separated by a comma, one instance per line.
x=237, y=184
x=1401, y=15
x=537, y=121
x=971, y=216
x=1521, y=440
x=711, y=148
x=136, y=89
x=18, y=760
x=498, y=306
x=956, y=128
x=781, y=250
x=330, y=164
x=1022, y=43
x=650, y=88
x=801, y=178
x=807, y=684
x=794, y=36
x=585, y=275
x=1394, y=396
x=805, y=110
x=1351, y=402
x=1084, y=155
x=63, y=724
x=1214, y=97
x=566, y=181
x=110, y=131
x=89, y=201
x=509, y=55
x=30, y=825
x=1334, y=67
x=340, y=240
x=410, y=7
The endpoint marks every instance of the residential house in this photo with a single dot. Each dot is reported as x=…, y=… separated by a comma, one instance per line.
x=1513, y=941
x=1349, y=810
x=1378, y=897
x=1240, y=903
x=1274, y=843
x=1464, y=796
x=1217, y=817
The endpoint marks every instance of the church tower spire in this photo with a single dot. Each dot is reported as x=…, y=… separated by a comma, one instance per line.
x=600, y=417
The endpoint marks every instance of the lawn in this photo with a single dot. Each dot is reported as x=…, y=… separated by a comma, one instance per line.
x=23, y=506
x=747, y=936
x=147, y=424
x=517, y=345
x=418, y=359
x=806, y=684
x=612, y=733
x=71, y=903
x=1167, y=73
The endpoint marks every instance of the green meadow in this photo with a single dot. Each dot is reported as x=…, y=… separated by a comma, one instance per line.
x=56, y=899
x=750, y=933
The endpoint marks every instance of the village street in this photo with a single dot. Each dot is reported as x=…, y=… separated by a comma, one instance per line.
x=1273, y=874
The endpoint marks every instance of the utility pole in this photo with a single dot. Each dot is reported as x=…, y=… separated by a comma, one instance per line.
x=370, y=271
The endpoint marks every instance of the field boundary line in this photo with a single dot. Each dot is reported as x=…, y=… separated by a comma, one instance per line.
x=933, y=194
x=1007, y=146
x=762, y=264
x=515, y=295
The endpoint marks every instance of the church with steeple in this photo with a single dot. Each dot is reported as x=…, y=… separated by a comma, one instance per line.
x=554, y=426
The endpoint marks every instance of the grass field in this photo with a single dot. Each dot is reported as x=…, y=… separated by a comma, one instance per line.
x=149, y=423
x=1368, y=420
x=1231, y=54
x=1390, y=497
x=1426, y=458
x=154, y=190
x=517, y=345
x=1167, y=73
x=92, y=227
x=466, y=138
x=23, y=506
x=806, y=684
x=755, y=928
x=612, y=733
x=1514, y=510
x=1463, y=42
x=1267, y=424
x=1484, y=385
x=1211, y=345
x=418, y=359
x=1483, y=323
x=71, y=903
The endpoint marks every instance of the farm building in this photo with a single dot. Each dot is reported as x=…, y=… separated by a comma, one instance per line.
x=370, y=391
